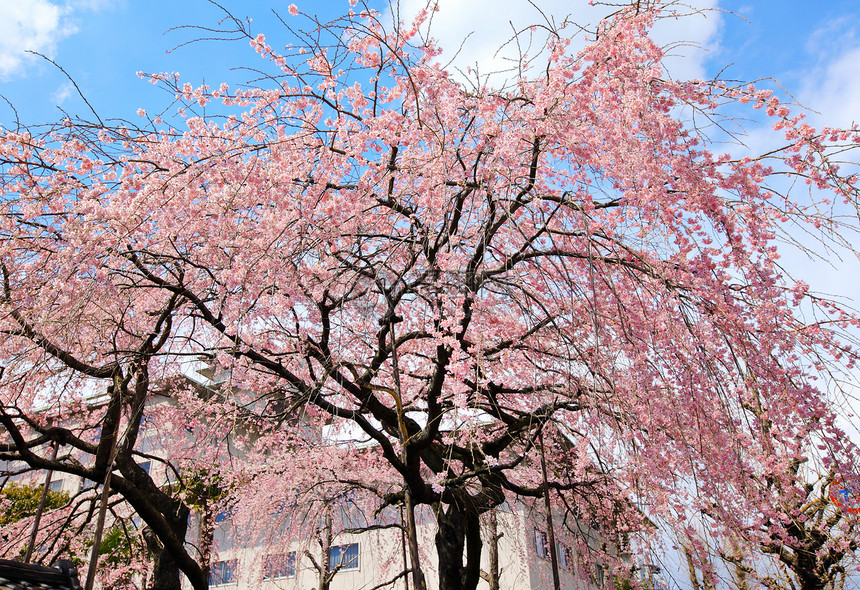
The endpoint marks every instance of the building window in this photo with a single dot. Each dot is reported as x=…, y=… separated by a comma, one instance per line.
x=282, y=565
x=565, y=560
x=222, y=573
x=56, y=486
x=343, y=557
x=541, y=544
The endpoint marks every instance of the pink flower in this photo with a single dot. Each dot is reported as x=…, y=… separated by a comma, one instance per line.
x=293, y=9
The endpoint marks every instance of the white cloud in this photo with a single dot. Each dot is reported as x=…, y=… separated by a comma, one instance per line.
x=479, y=29
x=31, y=25
x=62, y=92
x=37, y=25
x=826, y=86
x=830, y=87
x=833, y=90
x=690, y=36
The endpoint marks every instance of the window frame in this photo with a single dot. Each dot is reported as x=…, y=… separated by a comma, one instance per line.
x=341, y=566
x=224, y=566
x=287, y=560
x=565, y=557
x=541, y=544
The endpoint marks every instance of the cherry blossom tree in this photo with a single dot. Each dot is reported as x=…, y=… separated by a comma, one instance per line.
x=816, y=548
x=445, y=271
x=135, y=493
x=810, y=542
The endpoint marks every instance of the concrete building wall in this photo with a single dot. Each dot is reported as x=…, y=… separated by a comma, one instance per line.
x=381, y=558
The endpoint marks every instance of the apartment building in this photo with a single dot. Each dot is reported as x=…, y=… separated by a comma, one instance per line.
x=369, y=559
x=354, y=550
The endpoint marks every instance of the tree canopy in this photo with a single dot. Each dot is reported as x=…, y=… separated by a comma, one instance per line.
x=365, y=243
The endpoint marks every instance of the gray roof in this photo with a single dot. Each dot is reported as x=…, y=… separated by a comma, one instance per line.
x=15, y=575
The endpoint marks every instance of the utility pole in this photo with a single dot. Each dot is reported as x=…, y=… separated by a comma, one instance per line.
x=550, y=533
x=38, y=517
x=418, y=582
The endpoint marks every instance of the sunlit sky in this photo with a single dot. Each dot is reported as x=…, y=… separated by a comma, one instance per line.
x=811, y=48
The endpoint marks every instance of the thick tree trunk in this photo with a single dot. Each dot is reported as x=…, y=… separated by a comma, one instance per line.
x=809, y=564
x=450, y=541
x=167, y=516
x=807, y=576
x=459, y=530
x=165, y=572
x=472, y=573
x=812, y=582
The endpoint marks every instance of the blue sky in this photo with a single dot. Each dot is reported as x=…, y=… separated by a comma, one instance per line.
x=811, y=48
